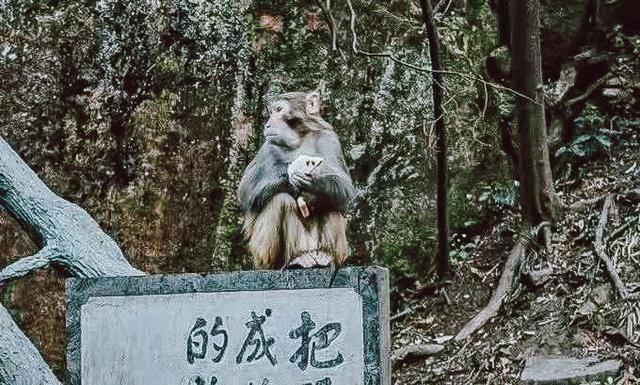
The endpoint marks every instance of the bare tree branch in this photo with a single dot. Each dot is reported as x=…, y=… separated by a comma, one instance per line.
x=26, y=265
x=326, y=9
x=68, y=237
x=390, y=56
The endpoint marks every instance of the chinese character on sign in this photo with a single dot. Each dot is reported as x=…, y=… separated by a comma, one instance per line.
x=261, y=343
x=265, y=381
x=311, y=343
x=198, y=341
x=325, y=381
x=218, y=331
x=198, y=380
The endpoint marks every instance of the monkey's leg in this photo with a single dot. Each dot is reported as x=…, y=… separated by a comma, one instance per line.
x=301, y=239
x=333, y=237
x=265, y=232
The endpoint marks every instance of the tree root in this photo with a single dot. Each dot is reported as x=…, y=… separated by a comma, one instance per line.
x=598, y=246
x=509, y=275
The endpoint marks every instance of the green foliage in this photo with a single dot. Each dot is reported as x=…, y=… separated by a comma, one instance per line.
x=585, y=146
x=500, y=197
x=590, y=141
x=407, y=243
x=461, y=248
x=463, y=208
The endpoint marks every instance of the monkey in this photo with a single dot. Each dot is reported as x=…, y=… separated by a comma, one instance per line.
x=279, y=234
x=306, y=164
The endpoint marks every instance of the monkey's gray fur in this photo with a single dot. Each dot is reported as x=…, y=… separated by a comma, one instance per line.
x=277, y=231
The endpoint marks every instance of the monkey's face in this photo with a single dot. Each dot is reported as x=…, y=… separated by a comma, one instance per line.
x=281, y=128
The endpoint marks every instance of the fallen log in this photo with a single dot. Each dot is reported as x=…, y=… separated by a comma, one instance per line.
x=412, y=352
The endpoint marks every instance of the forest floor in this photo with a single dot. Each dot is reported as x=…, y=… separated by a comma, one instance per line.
x=575, y=313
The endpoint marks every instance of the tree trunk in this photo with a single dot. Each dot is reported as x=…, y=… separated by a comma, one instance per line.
x=536, y=184
x=67, y=235
x=442, y=259
x=20, y=361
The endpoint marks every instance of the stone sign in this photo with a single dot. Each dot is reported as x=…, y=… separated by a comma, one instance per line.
x=242, y=328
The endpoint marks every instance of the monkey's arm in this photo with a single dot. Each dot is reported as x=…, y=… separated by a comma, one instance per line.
x=331, y=183
x=265, y=177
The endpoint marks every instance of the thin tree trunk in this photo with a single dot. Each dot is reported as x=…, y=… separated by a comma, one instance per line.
x=442, y=184
x=536, y=183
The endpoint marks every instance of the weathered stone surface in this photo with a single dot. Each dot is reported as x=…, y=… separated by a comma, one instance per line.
x=537, y=278
x=561, y=370
x=601, y=294
x=193, y=329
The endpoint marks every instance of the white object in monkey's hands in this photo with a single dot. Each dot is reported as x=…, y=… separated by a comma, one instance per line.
x=303, y=164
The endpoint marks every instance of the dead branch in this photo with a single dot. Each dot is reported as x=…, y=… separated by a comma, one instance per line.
x=504, y=287
x=598, y=246
x=580, y=98
x=390, y=56
x=326, y=10
x=582, y=204
x=402, y=314
x=414, y=352
x=617, y=232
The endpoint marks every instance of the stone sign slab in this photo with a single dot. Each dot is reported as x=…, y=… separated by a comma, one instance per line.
x=241, y=328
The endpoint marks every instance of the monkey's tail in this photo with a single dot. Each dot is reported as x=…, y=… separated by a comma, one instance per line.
x=334, y=274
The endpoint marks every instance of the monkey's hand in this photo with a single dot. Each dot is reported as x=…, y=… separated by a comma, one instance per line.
x=300, y=180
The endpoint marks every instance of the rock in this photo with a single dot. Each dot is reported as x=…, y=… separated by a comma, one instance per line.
x=601, y=294
x=562, y=370
x=537, y=278
x=586, y=310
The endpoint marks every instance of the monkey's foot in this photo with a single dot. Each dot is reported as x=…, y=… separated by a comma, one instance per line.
x=309, y=259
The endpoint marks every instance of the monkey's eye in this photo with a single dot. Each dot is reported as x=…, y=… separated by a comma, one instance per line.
x=277, y=108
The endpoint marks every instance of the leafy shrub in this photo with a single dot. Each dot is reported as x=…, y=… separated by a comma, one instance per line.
x=590, y=142
x=585, y=147
x=500, y=197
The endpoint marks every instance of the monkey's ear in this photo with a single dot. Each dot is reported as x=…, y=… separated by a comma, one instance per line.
x=313, y=103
